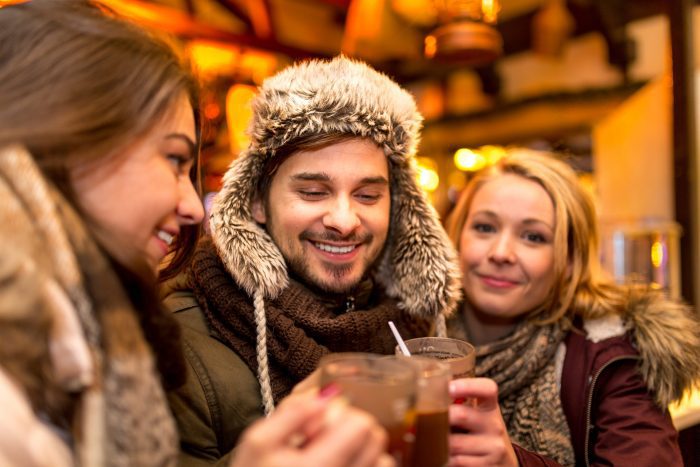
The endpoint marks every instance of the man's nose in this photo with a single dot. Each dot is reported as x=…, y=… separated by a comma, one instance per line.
x=342, y=216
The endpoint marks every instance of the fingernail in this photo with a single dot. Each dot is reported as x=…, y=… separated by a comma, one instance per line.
x=329, y=390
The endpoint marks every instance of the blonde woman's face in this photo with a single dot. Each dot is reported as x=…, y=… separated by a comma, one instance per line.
x=507, y=248
x=141, y=199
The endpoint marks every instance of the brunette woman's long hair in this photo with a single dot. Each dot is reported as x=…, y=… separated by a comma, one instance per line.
x=79, y=85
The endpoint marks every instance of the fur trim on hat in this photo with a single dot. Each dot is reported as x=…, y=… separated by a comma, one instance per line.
x=347, y=97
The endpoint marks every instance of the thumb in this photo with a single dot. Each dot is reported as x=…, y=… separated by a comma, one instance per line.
x=482, y=390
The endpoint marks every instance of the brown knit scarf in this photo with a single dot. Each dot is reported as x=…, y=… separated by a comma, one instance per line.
x=523, y=365
x=301, y=327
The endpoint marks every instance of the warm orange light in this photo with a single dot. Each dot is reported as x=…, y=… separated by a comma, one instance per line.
x=489, y=10
x=428, y=178
x=657, y=254
x=162, y=18
x=212, y=110
x=238, y=115
x=468, y=160
x=456, y=180
x=10, y=2
x=420, y=12
x=152, y=15
x=430, y=46
x=258, y=65
x=212, y=58
x=492, y=154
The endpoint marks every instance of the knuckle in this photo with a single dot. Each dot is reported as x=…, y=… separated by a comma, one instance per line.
x=254, y=437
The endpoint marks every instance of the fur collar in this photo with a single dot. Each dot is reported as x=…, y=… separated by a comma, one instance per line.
x=667, y=335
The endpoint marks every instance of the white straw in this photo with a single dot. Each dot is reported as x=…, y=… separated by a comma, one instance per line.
x=397, y=336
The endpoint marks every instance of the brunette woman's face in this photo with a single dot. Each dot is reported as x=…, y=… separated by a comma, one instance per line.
x=141, y=198
x=507, y=247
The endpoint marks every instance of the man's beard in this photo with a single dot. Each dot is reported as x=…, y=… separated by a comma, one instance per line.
x=332, y=281
x=300, y=268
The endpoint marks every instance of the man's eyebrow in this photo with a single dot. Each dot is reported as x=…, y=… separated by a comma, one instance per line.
x=311, y=177
x=378, y=180
x=324, y=177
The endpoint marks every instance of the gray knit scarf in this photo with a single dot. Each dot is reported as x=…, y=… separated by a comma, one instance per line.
x=524, y=366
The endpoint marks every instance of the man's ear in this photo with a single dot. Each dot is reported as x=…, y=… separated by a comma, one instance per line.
x=258, y=211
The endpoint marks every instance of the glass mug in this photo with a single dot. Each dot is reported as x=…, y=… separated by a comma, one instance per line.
x=458, y=354
x=384, y=386
x=432, y=430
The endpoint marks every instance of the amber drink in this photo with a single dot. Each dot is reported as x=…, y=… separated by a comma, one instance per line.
x=383, y=386
x=432, y=402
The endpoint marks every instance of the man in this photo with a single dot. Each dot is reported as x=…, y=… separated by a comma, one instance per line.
x=320, y=236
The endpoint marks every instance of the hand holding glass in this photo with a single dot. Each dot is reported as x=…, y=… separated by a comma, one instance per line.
x=383, y=386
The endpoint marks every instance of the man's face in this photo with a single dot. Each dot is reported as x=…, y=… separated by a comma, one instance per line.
x=328, y=212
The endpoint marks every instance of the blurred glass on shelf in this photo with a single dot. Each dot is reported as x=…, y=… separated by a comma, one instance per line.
x=643, y=253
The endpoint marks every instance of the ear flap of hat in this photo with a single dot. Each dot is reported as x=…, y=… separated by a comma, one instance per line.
x=420, y=265
x=246, y=249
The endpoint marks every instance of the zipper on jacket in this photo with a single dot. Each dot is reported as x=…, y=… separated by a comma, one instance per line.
x=590, y=402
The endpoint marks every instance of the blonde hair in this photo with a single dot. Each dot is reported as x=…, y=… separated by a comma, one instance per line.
x=580, y=288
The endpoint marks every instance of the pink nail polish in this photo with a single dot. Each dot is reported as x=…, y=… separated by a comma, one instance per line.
x=329, y=390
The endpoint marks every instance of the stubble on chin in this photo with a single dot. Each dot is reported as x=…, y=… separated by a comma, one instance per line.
x=333, y=278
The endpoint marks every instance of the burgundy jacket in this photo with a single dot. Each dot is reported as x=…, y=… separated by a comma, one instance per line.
x=612, y=417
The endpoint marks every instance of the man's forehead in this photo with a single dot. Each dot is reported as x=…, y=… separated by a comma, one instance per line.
x=355, y=158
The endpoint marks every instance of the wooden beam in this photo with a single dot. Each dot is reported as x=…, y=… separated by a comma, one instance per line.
x=685, y=148
x=537, y=118
x=178, y=22
x=233, y=8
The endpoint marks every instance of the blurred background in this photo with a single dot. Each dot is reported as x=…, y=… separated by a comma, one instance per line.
x=607, y=84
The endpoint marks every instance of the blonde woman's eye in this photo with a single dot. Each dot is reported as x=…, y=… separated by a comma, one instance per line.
x=535, y=237
x=483, y=228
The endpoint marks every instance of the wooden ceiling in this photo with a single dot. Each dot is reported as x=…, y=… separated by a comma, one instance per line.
x=391, y=42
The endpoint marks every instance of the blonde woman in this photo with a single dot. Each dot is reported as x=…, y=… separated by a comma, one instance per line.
x=573, y=368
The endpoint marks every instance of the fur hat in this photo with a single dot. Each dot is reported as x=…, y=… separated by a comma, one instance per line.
x=347, y=97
